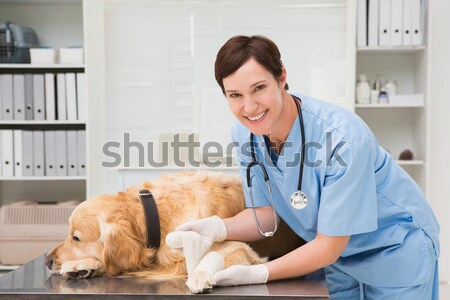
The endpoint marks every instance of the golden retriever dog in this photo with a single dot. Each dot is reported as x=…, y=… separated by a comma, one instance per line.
x=108, y=234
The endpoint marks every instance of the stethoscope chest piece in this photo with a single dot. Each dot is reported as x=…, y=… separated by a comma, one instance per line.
x=299, y=200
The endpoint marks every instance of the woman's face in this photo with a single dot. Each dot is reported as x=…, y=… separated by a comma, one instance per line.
x=255, y=96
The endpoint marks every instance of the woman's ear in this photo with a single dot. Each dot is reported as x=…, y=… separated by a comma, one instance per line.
x=282, y=79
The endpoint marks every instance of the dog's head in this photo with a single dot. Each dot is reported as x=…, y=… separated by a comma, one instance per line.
x=107, y=234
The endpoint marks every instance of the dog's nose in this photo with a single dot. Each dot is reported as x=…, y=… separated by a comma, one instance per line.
x=48, y=261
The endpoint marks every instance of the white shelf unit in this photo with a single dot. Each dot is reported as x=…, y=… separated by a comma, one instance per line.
x=32, y=66
x=399, y=126
x=58, y=24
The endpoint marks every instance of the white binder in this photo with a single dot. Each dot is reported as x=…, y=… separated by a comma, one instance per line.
x=18, y=167
x=50, y=105
x=19, y=97
x=385, y=20
x=407, y=23
x=27, y=153
x=7, y=153
x=373, y=22
x=61, y=96
x=361, y=23
x=38, y=153
x=72, y=159
x=39, y=96
x=71, y=93
x=50, y=152
x=81, y=151
x=81, y=97
x=396, y=22
x=7, y=97
x=417, y=23
x=61, y=153
x=29, y=114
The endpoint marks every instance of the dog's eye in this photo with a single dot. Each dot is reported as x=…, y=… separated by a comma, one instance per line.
x=75, y=238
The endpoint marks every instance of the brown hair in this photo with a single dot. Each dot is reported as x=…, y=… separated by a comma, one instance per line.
x=238, y=49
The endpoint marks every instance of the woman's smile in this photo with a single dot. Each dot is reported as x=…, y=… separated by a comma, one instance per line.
x=258, y=117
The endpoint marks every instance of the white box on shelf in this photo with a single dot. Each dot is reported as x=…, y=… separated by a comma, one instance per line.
x=71, y=56
x=40, y=56
x=29, y=229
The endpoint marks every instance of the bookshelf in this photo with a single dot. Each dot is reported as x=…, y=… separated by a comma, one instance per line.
x=57, y=24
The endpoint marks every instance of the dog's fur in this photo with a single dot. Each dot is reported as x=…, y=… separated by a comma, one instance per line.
x=108, y=233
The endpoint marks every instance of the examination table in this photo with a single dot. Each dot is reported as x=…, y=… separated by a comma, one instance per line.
x=34, y=281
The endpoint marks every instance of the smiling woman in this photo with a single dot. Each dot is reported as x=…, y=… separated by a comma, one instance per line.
x=373, y=241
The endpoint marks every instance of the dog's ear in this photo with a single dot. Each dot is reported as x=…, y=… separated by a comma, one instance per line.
x=123, y=248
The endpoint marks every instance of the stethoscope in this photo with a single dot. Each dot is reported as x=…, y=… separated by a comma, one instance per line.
x=298, y=198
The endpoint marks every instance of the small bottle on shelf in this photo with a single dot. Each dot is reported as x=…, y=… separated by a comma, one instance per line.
x=363, y=90
x=391, y=87
x=383, y=97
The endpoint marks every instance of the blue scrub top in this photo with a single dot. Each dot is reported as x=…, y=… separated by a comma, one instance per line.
x=354, y=187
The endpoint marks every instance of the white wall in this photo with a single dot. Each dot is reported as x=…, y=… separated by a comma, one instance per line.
x=439, y=105
x=157, y=56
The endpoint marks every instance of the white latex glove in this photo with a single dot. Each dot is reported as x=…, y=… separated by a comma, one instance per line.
x=240, y=275
x=211, y=229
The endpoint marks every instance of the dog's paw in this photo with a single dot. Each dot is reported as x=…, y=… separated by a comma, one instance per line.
x=200, y=281
x=82, y=274
x=81, y=269
x=174, y=241
x=177, y=240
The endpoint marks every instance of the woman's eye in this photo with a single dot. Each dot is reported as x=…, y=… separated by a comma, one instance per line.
x=259, y=87
x=75, y=238
x=234, y=95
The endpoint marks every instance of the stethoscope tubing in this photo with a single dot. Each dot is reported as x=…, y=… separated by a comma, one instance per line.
x=255, y=162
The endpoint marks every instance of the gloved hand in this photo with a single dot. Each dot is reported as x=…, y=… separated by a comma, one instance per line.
x=193, y=239
x=212, y=229
x=240, y=274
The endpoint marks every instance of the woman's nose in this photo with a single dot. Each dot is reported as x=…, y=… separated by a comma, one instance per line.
x=250, y=105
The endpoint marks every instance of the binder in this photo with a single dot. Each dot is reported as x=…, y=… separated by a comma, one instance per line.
x=385, y=20
x=396, y=22
x=61, y=153
x=81, y=98
x=29, y=108
x=417, y=23
x=407, y=23
x=81, y=151
x=373, y=22
x=27, y=153
x=361, y=24
x=50, y=105
x=71, y=94
x=39, y=96
x=18, y=153
x=38, y=153
x=61, y=97
x=7, y=97
x=19, y=97
x=7, y=153
x=50, y=152
x=72, y=160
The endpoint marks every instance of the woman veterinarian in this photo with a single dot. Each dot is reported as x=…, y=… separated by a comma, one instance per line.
x=366, y=222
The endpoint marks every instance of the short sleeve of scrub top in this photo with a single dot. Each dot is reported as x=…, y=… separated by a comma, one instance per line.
x=348, y=201
x=259, y=188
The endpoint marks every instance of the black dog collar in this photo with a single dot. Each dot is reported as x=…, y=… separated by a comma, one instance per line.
x=151, y=218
